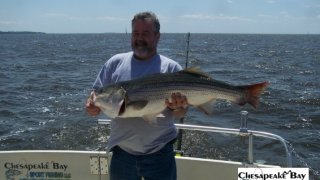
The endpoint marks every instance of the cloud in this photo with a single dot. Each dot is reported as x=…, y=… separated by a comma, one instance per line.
x=69, y=17
x=213, y=18
x=57, y=15
x=271, y=1
x=9, y=22
x=61, y=15
x=285, y=14
x=267, y=16
x=111, y=18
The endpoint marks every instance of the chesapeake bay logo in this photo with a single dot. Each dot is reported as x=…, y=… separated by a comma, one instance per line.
x=42, y=165
x=273, y=173
x=42, y=170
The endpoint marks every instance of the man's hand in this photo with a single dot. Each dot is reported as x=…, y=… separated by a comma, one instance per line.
x=90, y=107
x=178, y=104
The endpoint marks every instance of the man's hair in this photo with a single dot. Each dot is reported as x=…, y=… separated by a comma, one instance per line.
x=147, y=16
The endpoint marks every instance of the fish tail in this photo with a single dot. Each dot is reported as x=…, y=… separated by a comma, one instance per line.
x=252, y=93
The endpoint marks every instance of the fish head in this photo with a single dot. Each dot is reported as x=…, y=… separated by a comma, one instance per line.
x=111, y=100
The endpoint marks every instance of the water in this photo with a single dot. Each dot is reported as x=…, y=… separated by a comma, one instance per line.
x=45, y=80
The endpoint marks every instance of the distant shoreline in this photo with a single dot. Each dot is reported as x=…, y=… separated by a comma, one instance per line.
x=20, y=32
x=32, y=32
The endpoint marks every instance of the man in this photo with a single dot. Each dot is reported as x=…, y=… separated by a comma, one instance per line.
x=140, y=148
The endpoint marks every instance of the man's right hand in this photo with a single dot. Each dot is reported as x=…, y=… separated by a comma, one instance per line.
x=90, y=107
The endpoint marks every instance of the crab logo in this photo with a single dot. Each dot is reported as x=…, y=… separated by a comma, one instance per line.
x=10, y=173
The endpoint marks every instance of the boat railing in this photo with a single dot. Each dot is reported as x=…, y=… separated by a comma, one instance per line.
x=242, y=131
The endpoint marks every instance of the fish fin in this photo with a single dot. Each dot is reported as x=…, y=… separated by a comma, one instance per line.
x=196, y=72
x=151, y=118
x=137, y=105
x=122, y=104
x=207, y=107
x=160, y=115
x=252, y=93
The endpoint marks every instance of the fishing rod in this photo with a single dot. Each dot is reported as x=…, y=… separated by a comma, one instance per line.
x=181, y=121
x=187, y=49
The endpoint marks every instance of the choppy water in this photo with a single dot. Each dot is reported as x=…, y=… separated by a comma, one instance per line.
x=45, y=80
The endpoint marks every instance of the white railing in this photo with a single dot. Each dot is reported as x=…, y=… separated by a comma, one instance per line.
x=243, y=132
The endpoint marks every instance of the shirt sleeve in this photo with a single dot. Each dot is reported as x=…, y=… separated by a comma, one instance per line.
x=103, y=78
x=177, y=67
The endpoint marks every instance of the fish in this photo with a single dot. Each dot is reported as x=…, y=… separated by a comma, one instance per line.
x=145, y=97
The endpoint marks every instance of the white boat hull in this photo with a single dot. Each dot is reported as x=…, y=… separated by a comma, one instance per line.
x=87, y=165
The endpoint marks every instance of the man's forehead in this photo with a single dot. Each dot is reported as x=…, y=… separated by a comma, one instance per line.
x=143, y=24
x=145, y=20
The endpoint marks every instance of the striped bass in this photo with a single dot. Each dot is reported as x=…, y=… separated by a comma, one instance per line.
x=145, y=97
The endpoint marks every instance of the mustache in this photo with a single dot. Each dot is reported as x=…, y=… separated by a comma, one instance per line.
x=140, y=43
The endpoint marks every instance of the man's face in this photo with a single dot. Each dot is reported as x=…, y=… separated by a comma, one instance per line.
x=144, y=40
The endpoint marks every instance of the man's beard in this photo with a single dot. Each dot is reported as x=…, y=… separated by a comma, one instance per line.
x=141, y=49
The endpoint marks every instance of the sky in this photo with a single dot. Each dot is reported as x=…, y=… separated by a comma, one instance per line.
x=176, y=16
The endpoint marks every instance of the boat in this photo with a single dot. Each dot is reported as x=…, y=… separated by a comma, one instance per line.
x=94, y=165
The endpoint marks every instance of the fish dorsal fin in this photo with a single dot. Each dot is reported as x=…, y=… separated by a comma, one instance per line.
x=196, y=71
